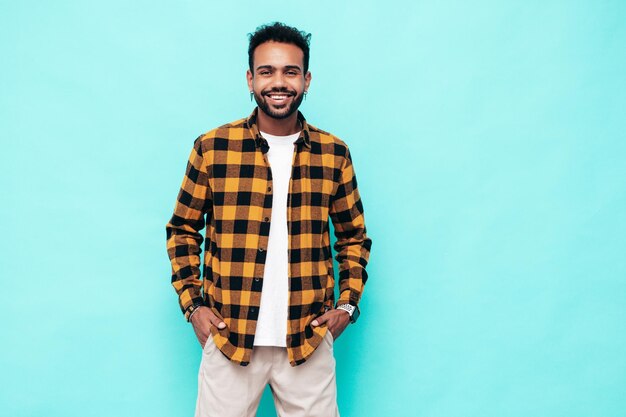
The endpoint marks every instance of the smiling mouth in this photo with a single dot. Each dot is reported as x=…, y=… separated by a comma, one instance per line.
x=279, y=97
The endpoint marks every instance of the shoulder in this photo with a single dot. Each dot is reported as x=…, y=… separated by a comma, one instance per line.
x=220, y=135
x=328, y=142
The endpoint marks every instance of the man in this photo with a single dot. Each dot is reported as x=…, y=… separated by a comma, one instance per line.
x=265, y=312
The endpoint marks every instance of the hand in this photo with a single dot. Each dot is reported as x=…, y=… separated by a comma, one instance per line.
x=202, y=320
x=336, y=320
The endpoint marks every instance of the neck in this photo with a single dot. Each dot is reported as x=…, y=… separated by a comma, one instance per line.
x=278, y=127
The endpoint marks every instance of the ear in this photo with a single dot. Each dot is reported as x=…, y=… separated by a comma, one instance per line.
x=250, y=78
x=307, y=80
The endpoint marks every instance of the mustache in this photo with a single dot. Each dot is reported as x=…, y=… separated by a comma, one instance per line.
x=283, y=90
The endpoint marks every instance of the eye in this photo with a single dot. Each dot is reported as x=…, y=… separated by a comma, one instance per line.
x=264, y=72
x=292, y=73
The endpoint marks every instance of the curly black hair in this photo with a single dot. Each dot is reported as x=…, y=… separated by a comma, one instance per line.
x=279, y=32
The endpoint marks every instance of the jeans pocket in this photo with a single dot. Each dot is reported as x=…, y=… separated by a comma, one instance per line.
x=209, y=341
x=330, y=336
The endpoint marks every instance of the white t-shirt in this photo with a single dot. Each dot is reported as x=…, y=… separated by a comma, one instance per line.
x=271, y=329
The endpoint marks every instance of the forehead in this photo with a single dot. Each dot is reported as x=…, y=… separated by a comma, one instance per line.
x=278, y=54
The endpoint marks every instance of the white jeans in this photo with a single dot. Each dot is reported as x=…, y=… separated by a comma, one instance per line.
x=227, y=389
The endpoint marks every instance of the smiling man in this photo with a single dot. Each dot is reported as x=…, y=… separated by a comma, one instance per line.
x=266, y=187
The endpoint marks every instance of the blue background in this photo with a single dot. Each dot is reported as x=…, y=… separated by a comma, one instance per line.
x=488, y=141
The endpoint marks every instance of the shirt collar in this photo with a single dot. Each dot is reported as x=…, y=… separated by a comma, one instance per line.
x=258, y=139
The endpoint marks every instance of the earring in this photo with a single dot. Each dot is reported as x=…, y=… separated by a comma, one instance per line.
x=305, y=95
x=251, y=95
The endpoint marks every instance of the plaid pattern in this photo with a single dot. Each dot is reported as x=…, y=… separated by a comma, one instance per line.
x=228, y=180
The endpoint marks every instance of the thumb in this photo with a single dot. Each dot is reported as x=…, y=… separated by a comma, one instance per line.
x=216, y=321
x=320, y=320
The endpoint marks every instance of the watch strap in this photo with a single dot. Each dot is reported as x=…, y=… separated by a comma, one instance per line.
x=352, y=310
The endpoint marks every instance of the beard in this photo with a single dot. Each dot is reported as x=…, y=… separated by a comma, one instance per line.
x=284, y=112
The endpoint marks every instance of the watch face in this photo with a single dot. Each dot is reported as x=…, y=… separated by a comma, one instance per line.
x=355, y=314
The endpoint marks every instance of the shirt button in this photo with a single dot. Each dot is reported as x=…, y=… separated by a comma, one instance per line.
x=260, y=249
x=252, y=309
x=269, y=188
x=257, y=279
x=267, y=219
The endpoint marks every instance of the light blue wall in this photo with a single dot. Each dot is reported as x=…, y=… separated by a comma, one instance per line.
x=489, y=144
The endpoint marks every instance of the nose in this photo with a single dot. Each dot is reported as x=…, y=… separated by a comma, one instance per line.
x=279, y=80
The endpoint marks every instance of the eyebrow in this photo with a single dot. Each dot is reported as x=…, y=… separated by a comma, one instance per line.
x=287, y=67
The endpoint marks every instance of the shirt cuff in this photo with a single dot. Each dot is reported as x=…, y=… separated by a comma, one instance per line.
x=348, y=297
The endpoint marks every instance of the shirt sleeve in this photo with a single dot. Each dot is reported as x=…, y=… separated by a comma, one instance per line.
x=184, y=239
x=352, y=245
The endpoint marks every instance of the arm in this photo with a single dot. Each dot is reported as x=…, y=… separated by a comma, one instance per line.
x=183, y=231
x=352, y=245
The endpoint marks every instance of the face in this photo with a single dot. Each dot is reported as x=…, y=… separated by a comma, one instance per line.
x=278, y=81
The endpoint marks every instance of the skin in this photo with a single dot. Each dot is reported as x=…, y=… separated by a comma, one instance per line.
x=278, y=68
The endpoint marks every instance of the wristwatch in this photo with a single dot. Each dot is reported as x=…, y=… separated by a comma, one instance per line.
x=353, y=311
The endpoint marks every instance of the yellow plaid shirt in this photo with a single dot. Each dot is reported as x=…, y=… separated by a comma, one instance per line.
x=228, y=179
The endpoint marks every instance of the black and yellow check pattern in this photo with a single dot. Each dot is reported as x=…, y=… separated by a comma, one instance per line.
x=229, y=180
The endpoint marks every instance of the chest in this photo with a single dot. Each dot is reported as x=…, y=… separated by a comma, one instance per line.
x=244, y=177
